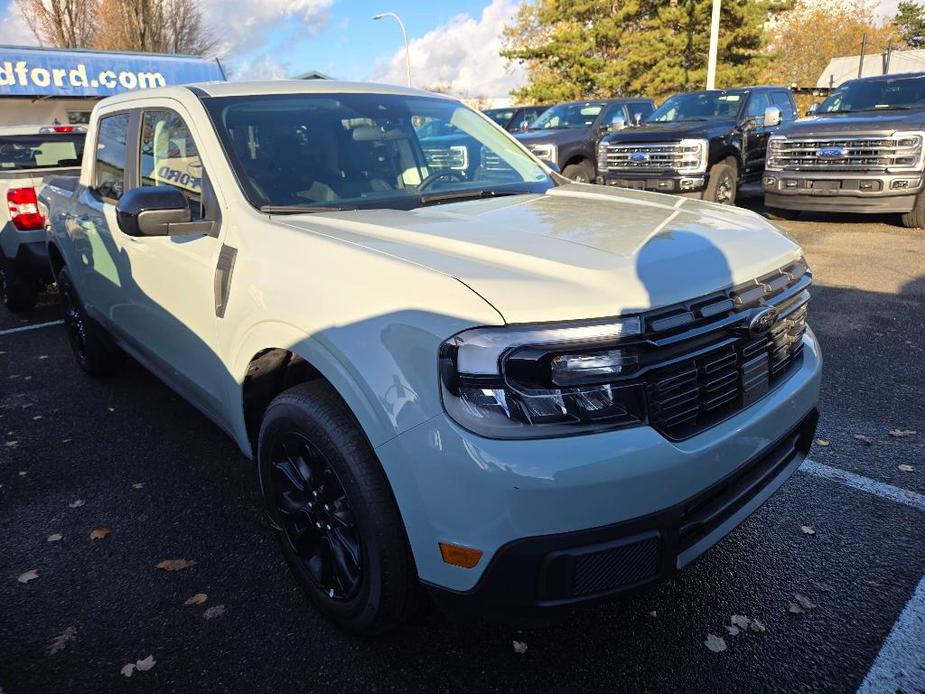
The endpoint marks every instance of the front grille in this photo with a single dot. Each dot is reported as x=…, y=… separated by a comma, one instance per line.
x=455, y=157
x=650, y=156
x=492, y=162
x=704, y=365
x=845, y=154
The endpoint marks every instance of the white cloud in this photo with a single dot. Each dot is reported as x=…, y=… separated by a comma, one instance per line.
x=13, y=29
x=243, y=25
x=461, y=54
x=262, y=67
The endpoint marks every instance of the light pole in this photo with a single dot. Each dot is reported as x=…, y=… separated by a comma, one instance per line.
x=714, y=45
x=404, y=36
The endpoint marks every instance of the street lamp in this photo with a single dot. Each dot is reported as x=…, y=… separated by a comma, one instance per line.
x=404, y=36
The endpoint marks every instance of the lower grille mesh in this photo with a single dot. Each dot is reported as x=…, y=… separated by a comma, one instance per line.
x=617, y=567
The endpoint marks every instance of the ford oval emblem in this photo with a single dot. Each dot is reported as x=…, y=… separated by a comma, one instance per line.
x=830, y=152
x=762, y=321
x=638, y=157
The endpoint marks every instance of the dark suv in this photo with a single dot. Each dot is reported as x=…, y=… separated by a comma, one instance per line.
x=702, y=144
x=567, y=134
x=514, y=118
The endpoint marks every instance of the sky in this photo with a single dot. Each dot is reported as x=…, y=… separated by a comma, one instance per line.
x=453, y=43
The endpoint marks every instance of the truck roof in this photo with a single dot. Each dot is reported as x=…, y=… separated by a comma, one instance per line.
x=274, y=87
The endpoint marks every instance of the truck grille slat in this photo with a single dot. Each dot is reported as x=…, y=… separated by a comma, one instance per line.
x=647, y=156
x=845, y=154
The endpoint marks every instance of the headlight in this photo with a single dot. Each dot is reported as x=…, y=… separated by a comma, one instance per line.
x=602, y=155
x=547, y=152
x=775, y=146
x=534, y=382
x=907, y=153
x=694, y=155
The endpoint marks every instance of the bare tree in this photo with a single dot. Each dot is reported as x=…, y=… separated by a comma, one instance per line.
x=62, y=23
x=157, y=26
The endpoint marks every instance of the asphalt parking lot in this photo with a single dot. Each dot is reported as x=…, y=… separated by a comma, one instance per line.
x=170, y=485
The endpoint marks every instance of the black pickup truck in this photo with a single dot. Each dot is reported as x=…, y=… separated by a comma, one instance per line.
x=862, y=152
x=567, y=134
x=704, y=144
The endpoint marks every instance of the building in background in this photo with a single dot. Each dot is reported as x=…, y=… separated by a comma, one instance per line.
x=846, y=68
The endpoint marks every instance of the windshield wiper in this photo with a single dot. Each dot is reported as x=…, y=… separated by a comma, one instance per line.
x=887, y=108
x=300, y=209
x=459, y=195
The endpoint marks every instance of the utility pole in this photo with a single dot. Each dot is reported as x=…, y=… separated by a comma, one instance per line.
x=861, y=61
x=714, y=45
x=889, y=53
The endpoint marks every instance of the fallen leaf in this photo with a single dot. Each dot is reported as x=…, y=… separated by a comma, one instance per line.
x=740, y=621
x=804, y=602
x=56, y=537
x=715, y=643
x=128, y=669
x=100, y=533
x=906, y=468
x=902, y=433
x=175, y=564
x=520, y=647
x=145, y=665
x=732, y=631
x=794, y=608
x=863, y=439
x=822, y=442
x=29, y=575
x=757, y=627
x=653, y=613
x=11, y=444
x=213, y=612
x=807, y=530
x=111, y=409
x=76, y=504
x=138, y=485
x=197, y=599
x=23, y=473
x=60, y=641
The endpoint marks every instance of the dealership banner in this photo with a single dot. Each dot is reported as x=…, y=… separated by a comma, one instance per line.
x=32, y=72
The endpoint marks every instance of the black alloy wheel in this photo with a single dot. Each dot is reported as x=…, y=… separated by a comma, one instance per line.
x=313, y=511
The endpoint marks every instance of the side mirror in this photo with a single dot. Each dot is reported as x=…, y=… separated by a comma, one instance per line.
x=552, y=165
x=637, y=119
x=772, y=117
x=151, y=210
x=616, y=123
x=811, y=111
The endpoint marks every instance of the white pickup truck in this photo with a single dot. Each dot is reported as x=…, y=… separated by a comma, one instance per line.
x=517, y=391
x=28, y=154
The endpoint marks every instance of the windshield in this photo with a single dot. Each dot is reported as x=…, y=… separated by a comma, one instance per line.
x=717, y=105
x=501, y=116
x=566, y=116
x=876, y=95
x=40, y=151
x=367, y=150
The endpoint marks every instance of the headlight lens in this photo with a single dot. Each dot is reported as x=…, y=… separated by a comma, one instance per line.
x=547, y=152
x=694, y=155
x=908, y=152
x=534, y=382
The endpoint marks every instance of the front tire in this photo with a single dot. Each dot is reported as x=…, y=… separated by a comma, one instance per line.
x=18, y=293
x=336, y=520
x=580, y=172
x=92, y=347
x=916, y=218
x=721, y=187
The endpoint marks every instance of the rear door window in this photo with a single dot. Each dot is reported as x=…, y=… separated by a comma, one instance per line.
x=110, y=156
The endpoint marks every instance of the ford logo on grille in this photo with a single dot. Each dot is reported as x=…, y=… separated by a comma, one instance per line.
x=762, y=321
x=638, y=157
x=831, y=152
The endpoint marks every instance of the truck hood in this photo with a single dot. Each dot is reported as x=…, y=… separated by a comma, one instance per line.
x=660, y=132
x=577, y=251
x=550, y=136
x=871, y=123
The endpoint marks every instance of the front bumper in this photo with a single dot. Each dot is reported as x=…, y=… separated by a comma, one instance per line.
x=540, y=503
x=815, y=191
x=667, y=182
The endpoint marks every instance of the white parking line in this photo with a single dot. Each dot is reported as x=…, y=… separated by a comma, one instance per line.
x=900, y=665
x=24, y=328
x=865, y=484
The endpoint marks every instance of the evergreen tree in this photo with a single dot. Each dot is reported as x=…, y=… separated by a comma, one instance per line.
x=575, y=49
x=910, y=23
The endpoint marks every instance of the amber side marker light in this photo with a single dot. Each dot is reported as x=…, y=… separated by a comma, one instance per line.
x=466, y=557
